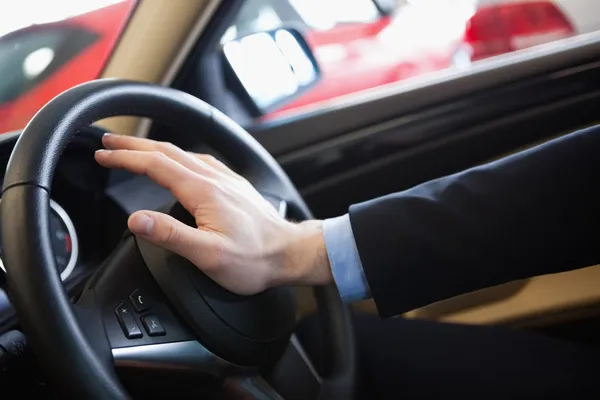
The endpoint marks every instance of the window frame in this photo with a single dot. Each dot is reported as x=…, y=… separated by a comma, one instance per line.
x=134, y=8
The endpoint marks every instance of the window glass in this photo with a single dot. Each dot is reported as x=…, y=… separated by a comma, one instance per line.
x=363, y=44
x=319, y=15
x=48, y=46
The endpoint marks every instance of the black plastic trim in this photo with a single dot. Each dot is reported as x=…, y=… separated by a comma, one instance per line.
x=364, y=179
x=470, y=116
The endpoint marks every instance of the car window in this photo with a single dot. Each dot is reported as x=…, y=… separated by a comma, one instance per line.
x=48, y=46
x=363, y=44
x=262, y=15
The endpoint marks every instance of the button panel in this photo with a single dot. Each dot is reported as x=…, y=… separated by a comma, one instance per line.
x=127, y=322
x=153, y=326
x=140, y=301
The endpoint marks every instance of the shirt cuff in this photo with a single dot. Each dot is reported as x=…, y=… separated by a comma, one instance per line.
x=346, y=267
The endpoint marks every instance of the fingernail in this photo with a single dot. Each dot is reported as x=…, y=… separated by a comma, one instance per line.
x=142, y=224
x=102, y=151
x=107, y=134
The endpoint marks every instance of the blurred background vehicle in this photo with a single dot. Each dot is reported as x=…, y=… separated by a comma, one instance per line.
x=502, y=26
x=45, y=50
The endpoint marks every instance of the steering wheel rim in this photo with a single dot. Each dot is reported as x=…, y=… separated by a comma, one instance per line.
x=46, y=314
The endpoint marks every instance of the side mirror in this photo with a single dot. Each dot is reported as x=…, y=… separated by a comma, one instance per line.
x=386, y=7
x=269, y=69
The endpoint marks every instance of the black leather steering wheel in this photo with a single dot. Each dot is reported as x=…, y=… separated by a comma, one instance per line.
x=145, y=307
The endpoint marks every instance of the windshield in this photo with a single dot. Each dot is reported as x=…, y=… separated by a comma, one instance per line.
x=47, y=47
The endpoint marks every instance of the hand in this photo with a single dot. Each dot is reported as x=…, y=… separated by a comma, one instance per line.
x=240, y=241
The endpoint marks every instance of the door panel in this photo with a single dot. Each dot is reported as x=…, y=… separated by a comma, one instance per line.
x=539, y=301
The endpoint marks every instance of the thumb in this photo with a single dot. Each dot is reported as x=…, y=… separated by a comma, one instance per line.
x=169, y=233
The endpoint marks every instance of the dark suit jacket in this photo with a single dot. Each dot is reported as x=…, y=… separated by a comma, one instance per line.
x=533, y=213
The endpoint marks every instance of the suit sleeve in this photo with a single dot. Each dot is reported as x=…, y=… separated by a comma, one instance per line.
x=536, y=212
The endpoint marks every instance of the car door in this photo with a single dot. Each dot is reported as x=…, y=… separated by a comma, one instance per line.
x=388, y=138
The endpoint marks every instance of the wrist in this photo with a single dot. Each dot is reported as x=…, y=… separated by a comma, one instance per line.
x=305, y=260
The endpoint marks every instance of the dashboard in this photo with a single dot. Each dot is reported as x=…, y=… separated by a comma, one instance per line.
x=89, y=210
x=64, y=241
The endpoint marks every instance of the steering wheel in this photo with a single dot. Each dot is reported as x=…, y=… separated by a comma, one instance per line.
x=145, y=307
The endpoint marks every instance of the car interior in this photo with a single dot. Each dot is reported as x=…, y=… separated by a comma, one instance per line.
x=67, y=297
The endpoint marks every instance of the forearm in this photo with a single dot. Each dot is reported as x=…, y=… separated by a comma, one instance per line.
x=530, y=214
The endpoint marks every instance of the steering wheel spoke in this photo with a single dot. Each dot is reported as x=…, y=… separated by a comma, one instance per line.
x=248, y=387
x=144, y=333
x=294, y=375
x=132, y=307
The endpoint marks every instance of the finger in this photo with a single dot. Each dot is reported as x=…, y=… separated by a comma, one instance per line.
x=185, y=185
x=121, y=142
x=200, y=247
x=216, y=164
x=116, y=142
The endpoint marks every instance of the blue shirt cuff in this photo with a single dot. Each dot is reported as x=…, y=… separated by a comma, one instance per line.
x=346, y=266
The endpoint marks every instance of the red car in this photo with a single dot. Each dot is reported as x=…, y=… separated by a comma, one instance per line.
x=423, y=36
x=40, y=61
x=357, y=44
